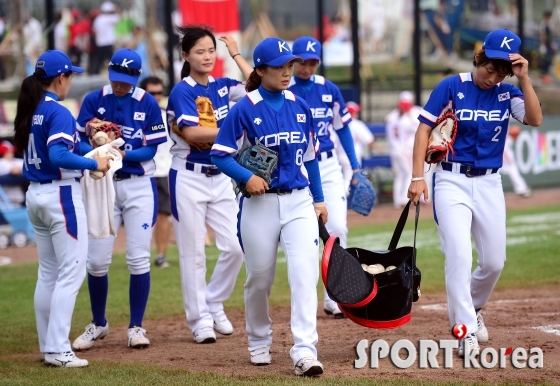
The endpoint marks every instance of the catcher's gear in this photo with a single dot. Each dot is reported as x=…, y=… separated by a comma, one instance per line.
x=442, y=136
x=206, y=118
x=362, y=194
x=96, y=125
x=261, y=161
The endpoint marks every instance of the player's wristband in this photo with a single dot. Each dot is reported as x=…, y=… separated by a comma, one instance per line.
x=233, y=56
x=417, y=179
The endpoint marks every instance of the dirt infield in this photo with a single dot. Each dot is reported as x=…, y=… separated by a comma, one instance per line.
x=511, y=317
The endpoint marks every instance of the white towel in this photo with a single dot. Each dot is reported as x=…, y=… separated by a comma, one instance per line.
x=99, y=195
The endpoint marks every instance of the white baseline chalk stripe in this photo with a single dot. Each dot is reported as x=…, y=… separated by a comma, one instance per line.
x=552, y=329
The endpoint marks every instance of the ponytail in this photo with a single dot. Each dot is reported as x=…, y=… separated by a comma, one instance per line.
x=31, y=92
x=254, y=80
x=186, y=70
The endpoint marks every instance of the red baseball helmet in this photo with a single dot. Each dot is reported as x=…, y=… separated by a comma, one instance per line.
x=353, y=107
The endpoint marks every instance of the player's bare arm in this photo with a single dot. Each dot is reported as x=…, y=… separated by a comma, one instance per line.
x=533, y=111
x=199, y=133
x=418, y=187
x=233, y=51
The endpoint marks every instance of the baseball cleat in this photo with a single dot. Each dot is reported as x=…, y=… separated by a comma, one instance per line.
x=88, y=338
x=260, y=355
x=469, y=343
x=222, y=323
x=204, y=335
x=137, y=337
x=308, y=367
x=64, y=359
x=161, y=262
x=482, y=331
x=331, y=308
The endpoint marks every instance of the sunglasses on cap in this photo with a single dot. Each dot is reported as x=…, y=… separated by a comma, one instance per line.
x=125, y=70
x=154, y=93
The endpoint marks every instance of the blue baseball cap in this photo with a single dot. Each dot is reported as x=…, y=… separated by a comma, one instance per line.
x=273, y=52
x=55, y=63
x=499, y=43
x=307, y=47
x=125, y=66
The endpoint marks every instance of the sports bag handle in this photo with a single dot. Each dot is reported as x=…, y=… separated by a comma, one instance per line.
x=323, y=232
x=400, y=226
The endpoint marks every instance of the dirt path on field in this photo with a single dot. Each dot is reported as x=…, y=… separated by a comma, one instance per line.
x=384, y=213
x=513, y=318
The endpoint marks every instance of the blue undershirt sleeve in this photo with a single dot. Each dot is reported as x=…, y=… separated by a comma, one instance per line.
x=314, y=180
x=345, y=136
x=231, y=168
x=145, y=153
x=84, y=146
x=64, y=158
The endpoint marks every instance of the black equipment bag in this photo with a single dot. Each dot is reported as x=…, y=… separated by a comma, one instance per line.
x=379, y=301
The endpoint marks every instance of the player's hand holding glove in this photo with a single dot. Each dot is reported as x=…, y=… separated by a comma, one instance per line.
x=261, y=161
x=102, y=132
x=362, y=194
x=442, y=136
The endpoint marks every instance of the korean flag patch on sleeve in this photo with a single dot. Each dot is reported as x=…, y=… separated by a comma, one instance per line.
x=139, y=116
x=503, y=97
x=326, y=97
x=300, y=117
x=223, y=91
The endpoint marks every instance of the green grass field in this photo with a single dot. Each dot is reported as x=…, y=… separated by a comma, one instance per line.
x=533, y=244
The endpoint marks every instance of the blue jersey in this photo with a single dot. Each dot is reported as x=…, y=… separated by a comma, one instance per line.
x=52, y=123
x=192, y=104
x=483, y=117
x=327, y=106
x=289, y=132
x=139, y=119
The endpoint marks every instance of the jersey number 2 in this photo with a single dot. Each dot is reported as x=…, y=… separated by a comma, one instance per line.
x=498, y=130
x=32, y=158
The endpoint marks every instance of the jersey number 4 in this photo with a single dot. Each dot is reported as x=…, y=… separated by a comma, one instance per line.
x=31, y=156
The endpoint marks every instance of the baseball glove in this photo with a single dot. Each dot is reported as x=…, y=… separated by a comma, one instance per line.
x=102, y=132
x=442, y=137
x=261, y=161
x=206, y=118
x=362, y=194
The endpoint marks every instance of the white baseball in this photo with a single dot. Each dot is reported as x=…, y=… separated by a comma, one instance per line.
x=101, y=138
x=96, y=174
x=375, y=269
x=390, y=268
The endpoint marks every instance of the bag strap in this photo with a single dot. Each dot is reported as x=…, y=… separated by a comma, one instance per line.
x=415, y=228
x=400, y=226
x=323, y=233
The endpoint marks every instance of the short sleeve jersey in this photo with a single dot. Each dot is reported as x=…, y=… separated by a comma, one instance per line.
x=327, y=106
x=51, y=124
x=289, y=132
x=192, y=104
x=483, y=118
x=139, y=119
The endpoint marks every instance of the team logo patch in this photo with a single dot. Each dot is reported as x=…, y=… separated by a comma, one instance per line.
x=257, y=121
x=460, y=95
x=503, y=97
x=139, y=116
x=301, y=117
x=327, y=98
x=223, y=91
x=101, y=110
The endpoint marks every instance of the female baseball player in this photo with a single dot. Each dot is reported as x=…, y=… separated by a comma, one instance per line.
x=199, y=192
x=139, y=118
x=46, y=131
x=285, y=210
x=328, y=109
x=468, y=196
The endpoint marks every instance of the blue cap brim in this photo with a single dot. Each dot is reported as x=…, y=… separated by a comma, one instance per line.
x=124, y=78
x=310, y=56
x=78, y=70
x=280, y=61
x=495, y=54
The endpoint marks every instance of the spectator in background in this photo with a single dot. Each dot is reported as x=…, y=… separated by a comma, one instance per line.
x=362, y=137
x=509, y=167
x=154, y=86
x=547, y=47
x=32, y=41
x=401, y=126
x=9, y=165
x=105, y=37
x=60, y=33
x=80, y=31
x=2, y=34
x=138, y=44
